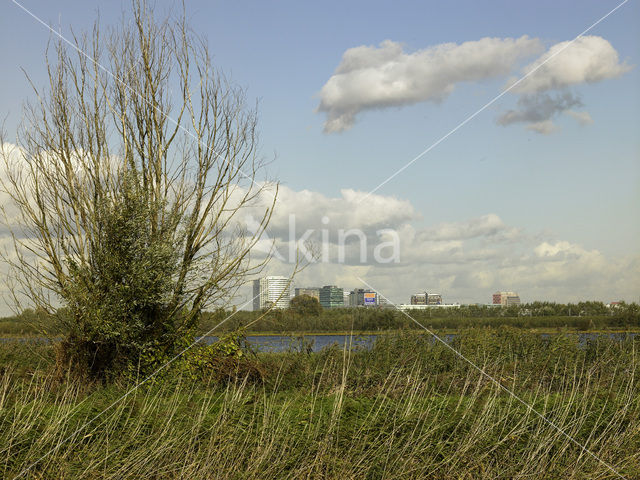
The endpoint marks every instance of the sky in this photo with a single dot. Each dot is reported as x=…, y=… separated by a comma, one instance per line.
x=536, y=189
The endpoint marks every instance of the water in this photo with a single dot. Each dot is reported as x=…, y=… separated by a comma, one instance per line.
x=303, y=343
x=315, y=343
x=268, y=343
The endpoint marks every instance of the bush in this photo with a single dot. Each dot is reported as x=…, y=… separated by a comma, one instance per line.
x=227, y=359
x=118, y=306
x=305, y=305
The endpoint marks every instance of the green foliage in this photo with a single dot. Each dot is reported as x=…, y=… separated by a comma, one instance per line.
x=620, y=317
x=118, y=312
x=229, y=358
x=30, y=322
x=305, y=305
x=232, y=344
x=547, y=316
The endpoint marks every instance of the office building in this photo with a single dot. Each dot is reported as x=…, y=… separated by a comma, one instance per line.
x=360, y=297
x=434, y=299
x=426, y=299
x=506, y=299
x=310, y=291
x=346, y=298
x=404, y=307
x=271, y=291
x=331, y=296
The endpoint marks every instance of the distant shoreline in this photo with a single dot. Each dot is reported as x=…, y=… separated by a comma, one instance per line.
x=435, y=330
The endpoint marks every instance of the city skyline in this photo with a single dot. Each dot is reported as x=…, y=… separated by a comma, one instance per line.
x=327, y=294
x=417, y=300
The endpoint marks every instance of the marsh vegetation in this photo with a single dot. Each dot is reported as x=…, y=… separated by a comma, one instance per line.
x=406, y=408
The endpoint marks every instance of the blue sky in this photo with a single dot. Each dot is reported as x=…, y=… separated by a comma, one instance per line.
x=579, y=184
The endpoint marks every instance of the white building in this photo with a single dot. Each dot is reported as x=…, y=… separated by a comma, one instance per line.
x=506, y=298
x=404, y=307
x=268, y=291
x=426, y=299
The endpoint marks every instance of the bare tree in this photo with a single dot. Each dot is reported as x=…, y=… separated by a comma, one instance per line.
x=126, y=184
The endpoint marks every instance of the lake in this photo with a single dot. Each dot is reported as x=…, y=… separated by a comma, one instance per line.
x=316, y=342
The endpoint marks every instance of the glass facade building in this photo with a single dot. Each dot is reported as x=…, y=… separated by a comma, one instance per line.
x=331, y=296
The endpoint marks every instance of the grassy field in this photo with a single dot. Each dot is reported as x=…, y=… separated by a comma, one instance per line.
x=407, y=408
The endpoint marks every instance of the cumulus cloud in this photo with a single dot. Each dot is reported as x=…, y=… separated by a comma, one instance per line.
x=307, y=210
x=384, y=76
x=564, y=250
x=537, y=111
x=588, y=59
x=352, y=209
x=486, y=225
x=465, y=260
x=370, y=77
x=310, y=221
x=583, y=118
x=544, y=127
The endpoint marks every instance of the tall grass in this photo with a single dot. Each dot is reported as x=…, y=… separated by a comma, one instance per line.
x=407, y=408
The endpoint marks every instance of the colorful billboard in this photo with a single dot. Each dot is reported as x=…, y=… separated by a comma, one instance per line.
x=369, y=298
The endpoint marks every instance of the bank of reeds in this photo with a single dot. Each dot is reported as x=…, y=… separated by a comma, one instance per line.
x=407, y=408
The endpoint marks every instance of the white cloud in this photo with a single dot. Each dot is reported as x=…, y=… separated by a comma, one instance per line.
x=588, y=59
x=564, y=250
x=544, y=127
x=465, y=260
x=370, y=77
x=352, y=209
x=486, y=225
x=538, y=110
x=583, y=118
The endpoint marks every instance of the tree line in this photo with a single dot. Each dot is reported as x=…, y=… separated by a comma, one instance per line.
x=581, y=316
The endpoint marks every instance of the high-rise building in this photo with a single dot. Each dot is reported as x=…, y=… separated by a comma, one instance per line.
x=506, y=298
x=271, y=291
x=331, y=296
x=310, y=291
x=426, y=299
x=360, y=297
